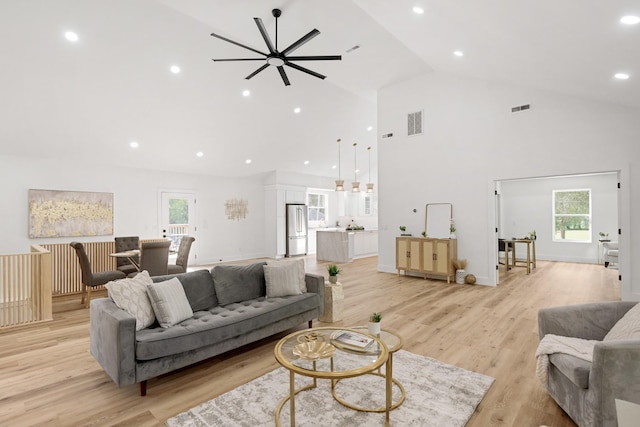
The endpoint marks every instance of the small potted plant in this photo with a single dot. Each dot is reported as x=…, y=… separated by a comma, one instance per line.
x=333, y=271
x=374, y=323
x=424, y=234
x=604, y=237
x=452, y=230
x=403, y=231
x=532, y=235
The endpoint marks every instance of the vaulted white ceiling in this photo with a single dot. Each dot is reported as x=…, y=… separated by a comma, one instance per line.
x=89, y=99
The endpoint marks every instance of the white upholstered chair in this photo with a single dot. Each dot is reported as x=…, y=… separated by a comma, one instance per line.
x=610, y=253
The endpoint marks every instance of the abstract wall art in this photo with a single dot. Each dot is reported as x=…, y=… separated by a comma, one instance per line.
x=55, y=213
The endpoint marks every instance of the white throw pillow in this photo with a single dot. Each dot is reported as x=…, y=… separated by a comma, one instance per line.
x=627, y=328
x=282, y=279
x=298, y=264
x=169, y=302
x=131, y=296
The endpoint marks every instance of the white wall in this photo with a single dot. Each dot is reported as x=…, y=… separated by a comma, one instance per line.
x=527, y=205
x=472, y=139
x=136, y=199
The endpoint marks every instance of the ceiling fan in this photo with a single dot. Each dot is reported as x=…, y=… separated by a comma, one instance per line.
x=278, y=58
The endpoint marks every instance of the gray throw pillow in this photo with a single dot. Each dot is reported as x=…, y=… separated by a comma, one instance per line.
x=198, y=286
x=282, y=280
x=236, y=283
x=169, y=302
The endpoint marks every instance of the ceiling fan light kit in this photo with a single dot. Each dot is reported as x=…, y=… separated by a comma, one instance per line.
x=277, y=58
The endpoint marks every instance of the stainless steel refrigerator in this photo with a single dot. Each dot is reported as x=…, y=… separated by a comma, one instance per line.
x=296, y=229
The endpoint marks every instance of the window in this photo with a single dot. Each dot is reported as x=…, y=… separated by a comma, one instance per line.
x=572, y=216
x=317, y=204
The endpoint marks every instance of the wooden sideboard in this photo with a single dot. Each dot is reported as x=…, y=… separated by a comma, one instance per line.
x=427, y=256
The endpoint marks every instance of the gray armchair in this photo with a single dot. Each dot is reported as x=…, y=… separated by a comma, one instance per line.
x=587, y=391
x=182, y=259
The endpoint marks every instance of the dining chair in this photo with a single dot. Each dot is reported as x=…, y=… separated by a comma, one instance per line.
x=124, y=244
x=503, y=247
x=89, y=278
x=182, y=260
x=154, y=257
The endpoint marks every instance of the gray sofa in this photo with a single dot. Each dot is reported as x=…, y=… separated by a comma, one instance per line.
x=587, y=391
x=217, y=325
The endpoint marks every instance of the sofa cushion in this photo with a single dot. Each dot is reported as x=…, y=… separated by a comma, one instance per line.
x=170, y=303
x=131, y=296
x=627, y=328
x=236, y=283
x=282, y=280
x=298, y=265
x=574, y=368
x=198, y=286
x=220, y=323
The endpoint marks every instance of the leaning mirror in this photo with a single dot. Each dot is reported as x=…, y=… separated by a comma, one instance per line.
x=437, y=219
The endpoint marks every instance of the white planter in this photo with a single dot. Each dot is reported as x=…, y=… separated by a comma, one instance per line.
x=374, y=328
x=333, y=279
x=460, y=275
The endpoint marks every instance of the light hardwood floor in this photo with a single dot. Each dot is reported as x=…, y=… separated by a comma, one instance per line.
x=48, y=377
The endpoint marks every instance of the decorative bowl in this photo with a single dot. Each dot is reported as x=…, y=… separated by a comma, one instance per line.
x=314, y=350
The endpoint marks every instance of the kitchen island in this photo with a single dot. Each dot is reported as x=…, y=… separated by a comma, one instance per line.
x=341, y=245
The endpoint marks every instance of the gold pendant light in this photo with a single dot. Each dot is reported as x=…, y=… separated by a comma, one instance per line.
x=339, y=181
x=355, y=185
x=370, y=184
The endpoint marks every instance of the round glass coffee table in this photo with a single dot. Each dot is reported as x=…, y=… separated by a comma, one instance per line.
x=322, y=353
x=393, y=341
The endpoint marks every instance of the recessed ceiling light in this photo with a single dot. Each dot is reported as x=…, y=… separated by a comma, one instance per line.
x=134, y=144
x=357, y=170
x=71, y=36
x=199, y=154
x=297, y=110
x=246, y=92
x=175, y=69
x=248, y=161
x=630, y=20
x=418, y=10
x=458, y=53
x=621, y=76
x=306, y=162
x=334, y=166
x=370, y=128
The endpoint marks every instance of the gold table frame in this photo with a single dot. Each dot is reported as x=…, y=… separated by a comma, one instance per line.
x=334, y=376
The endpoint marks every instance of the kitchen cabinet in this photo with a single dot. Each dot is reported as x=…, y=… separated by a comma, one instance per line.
x=430, y=257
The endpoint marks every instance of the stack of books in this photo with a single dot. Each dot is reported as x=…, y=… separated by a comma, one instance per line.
x=352, y=340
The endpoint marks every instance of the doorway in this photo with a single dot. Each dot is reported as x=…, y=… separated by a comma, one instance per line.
x=178, y=219
x=523, y=206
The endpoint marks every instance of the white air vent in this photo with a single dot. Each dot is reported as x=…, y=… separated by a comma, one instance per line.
x=414, y=123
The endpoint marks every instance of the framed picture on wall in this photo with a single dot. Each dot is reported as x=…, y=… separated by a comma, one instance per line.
x=55, y=213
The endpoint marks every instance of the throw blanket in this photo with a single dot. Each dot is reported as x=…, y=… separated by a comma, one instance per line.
x=550, y=344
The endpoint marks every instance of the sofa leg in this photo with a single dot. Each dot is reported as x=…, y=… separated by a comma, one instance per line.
x=310, y=324
x=606, y=264
x=143, y=388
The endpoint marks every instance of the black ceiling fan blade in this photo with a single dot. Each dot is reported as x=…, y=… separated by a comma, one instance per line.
x=311, y=34
x=237, y=44
x=315, y=58
x=256, y=71
x=238, y=59
x=305, y=70
x=285, y=79
x=265, y=35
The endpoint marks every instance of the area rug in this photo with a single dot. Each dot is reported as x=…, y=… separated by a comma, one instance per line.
x=437, y=394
